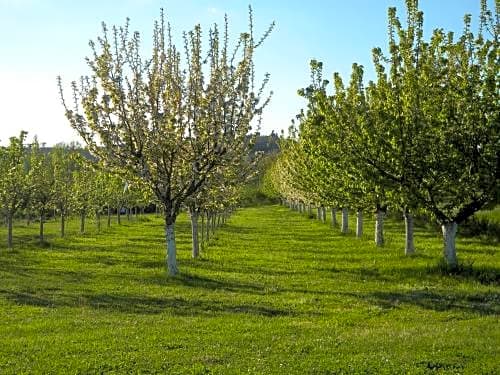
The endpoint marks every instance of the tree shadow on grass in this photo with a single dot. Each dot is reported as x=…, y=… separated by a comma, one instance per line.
x=145, y=305
x=202, y=282
x=465, y=273
x=180, y=306
x=480, y=303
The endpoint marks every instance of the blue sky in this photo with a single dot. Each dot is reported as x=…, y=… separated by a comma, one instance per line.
x=40, y=39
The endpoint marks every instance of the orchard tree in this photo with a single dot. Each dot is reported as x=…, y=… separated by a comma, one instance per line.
x=63, y=164
x=41, y=184
x=13, y=181
x=170, y=121
x=83, y=190
x=98, y=196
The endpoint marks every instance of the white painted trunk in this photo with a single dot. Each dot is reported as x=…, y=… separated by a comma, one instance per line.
x=63, y=226
x=449, y=251
x=208, y=227
x=379, y=227
x=9, y=230
x=345, y=221
x=194, y=234
x=171, y=249
x=98, y=221
x=359, y=224
x=82, y=223
x=202, y=230
x=42, y=218
x=334, y=216
x=409, y=244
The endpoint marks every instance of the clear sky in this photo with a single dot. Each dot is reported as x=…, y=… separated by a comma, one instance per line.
x=40, y=39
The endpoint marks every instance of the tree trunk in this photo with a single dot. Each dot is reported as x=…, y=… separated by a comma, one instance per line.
x=345, y=221
x=202, y=229
x=63, y=224
x=194, y=233
x=109, y=216
x=379, y=227
x=449, y=250
x=9, y=230
x=28, y=218
x=119, y=215
x=128, y=213
x=359, y=223
x=323, y=214
x=333, y=212
x=41, y=226
x=213, y=222
x=409, y=245
x=309, y=210
x=98, y=219
x=82, y=222
x=171, y=250
x=319, y=213
x=208, y=226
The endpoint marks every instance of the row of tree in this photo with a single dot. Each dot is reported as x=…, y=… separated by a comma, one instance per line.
x=37, y=182
x=40, y=183
x=424, y=137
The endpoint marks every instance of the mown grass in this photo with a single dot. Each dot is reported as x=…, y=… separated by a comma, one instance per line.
x=492, y=215
x=485, y=224
x=274, y=292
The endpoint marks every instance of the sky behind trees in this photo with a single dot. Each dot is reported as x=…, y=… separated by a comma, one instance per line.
x=40, y=39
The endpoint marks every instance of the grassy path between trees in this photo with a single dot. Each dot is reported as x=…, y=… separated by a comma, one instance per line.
x=275, y=292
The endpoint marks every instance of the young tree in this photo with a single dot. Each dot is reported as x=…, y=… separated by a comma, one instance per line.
x=63, y=164
x=13, y=180
x=99, y=197
x=83, y=190
x=168, y=124
x=41, y=183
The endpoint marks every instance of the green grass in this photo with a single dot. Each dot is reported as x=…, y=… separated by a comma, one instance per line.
x=492, y=215
x=274, y=292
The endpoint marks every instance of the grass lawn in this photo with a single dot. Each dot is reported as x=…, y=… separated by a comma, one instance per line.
x=274, y=292
x=492, y=215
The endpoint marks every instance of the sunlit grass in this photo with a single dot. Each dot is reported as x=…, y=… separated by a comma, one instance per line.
x=274, y=292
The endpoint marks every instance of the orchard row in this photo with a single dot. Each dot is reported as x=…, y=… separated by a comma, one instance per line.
x=423, y=137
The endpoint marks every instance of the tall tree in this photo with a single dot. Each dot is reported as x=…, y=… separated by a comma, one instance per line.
x=168, y=121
